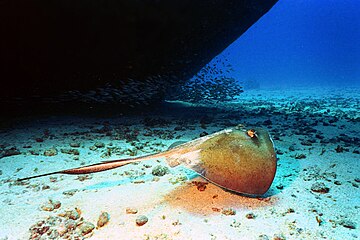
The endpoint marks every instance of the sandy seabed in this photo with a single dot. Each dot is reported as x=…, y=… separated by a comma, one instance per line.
x=315, y=194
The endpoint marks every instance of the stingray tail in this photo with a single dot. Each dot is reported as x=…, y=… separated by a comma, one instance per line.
x=98, y=167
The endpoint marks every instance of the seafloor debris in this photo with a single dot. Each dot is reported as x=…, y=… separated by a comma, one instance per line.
x=235, y=224
x=340, y=149
x=70, y=151
x=288, y=145
x=347, y=223
x=82, y=178
x=71, y=214
x=67, y=225
x=70, y=192
x=200, y=185
x=50, y=205
x=179, y=178
x=9, y=152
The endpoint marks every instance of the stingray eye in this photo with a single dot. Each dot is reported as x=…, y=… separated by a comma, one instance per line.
x=251, y=133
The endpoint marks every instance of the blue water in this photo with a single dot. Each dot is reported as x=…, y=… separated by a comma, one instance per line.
x=301, y=43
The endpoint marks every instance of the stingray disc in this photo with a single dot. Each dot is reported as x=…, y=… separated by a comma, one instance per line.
x=239, y=160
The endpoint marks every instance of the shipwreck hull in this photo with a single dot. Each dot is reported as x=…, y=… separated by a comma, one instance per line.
x=50, y=47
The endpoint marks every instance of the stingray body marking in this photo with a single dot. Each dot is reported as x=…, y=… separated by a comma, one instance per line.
x=232, y=159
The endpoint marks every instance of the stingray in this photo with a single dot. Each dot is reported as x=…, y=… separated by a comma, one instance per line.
x=236, y=159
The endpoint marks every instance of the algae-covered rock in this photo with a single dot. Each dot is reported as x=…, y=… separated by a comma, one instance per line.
x=160, y=170
x=85, y=228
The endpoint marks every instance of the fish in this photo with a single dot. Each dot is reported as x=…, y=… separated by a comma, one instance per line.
x=236, y=159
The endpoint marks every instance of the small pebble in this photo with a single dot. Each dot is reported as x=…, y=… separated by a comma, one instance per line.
x=138, y=181
x=263, y=237
x=103, y=219
x=47, y=207
x=319, y=187
x=53, y=179
x=56, y=204
x=70, y=192
x=292, y=148
x=290, y=210
x=141, y=220
x=50, y=152
x=92, y=148
x=130, y=210
x=228, y=211
x=203, y=134
x=82, y=178
x=279, y=237
x=300, y=156
x=99, y=145
x=75, y=144
x=339, y=149
x=306, y=143
x=337, y=183
x=250, y=216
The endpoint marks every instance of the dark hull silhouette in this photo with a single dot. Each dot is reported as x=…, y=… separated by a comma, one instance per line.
x=48, y=47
